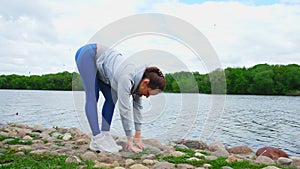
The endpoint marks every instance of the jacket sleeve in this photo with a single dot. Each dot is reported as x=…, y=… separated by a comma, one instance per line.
x=137, y=115
x=125, y=104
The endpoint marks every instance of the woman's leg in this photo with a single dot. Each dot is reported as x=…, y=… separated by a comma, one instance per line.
x=85, y=61
x=108, y=106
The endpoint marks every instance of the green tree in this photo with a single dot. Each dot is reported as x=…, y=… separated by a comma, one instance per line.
x=263, y=83
x=236, y=80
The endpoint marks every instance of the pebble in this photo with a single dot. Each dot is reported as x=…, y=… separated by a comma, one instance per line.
x=199, y=154
x=89, y=156
x=67, y=136
x=177, y=153
x=264, y=160
x=103, y=165
x=149, y=162
x=128, y=162
x=193, y=159
x=284, y=161
x=138, y=166
x=206, y=166
x=73, y=159
x=271, y=167
x=164, y=165
x=27, y=138
x=185, y=166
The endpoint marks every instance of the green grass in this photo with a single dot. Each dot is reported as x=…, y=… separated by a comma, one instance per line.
x=5, y=137
x=33, y=161
x=139, y=155
x=18, y=141
x=34, y=136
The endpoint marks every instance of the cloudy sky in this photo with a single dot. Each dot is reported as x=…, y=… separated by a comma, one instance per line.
x=40, y=37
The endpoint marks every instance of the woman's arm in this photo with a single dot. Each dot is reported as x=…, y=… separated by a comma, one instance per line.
x=137, y=107
x=124, y=106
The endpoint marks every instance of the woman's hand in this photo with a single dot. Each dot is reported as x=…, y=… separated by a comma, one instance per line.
x=130, y=146
x=138, y=142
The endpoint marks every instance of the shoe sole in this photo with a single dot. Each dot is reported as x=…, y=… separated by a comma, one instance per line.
x=102, y=150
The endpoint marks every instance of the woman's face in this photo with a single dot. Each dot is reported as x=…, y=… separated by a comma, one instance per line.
x=145, y=90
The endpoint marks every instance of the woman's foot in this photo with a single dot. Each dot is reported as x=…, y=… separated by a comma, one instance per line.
x=102, y=142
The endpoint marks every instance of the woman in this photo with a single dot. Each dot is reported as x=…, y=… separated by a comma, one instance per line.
x=105, y=69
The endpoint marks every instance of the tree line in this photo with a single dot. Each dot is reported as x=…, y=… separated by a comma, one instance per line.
x=261, y=79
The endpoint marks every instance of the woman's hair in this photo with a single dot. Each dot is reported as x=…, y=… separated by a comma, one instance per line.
x=156, y=77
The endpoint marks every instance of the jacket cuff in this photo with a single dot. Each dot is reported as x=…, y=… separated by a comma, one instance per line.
x=128, y=133
x=138, y=126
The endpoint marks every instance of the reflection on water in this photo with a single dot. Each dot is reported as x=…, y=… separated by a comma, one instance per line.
x=255, y=121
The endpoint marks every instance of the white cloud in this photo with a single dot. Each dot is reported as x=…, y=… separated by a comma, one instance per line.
x=244, y=35
x=43, y=36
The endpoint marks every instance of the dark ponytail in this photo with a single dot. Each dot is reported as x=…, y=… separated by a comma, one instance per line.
x=156, y=77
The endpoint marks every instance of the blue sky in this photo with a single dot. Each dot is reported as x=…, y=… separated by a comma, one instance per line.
x=42, y=37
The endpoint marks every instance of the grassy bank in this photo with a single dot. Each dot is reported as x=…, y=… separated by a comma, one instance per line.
x=11, y=158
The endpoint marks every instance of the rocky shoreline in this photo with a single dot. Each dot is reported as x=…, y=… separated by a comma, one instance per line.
x=183, y=154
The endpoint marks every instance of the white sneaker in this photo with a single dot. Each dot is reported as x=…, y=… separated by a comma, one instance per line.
x=100, y=142
x=109, y=137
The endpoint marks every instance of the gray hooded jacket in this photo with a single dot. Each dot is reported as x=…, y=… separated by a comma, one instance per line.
x=124, y=78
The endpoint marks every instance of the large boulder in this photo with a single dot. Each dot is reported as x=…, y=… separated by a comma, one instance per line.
x=271, y=152
x=216, y=146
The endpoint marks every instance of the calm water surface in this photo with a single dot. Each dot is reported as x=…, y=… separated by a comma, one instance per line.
x=255, y=121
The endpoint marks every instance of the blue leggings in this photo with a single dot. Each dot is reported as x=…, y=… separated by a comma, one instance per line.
x=85, y=61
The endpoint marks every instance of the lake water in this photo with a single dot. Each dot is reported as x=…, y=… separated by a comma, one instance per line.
x=255, y=121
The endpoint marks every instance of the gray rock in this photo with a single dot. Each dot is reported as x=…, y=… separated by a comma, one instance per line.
x=177, y=153
x=226, y=167
x=153, y=148
x=149, y=162
x=148, y=156
x=40, y=152
x=5, y=134
x=38, y=128
x=81, y=142
x=211, y=157
x=182, y=146
x=185, y=166
x=138, y=166
x=271, y=167
x=193, y=144
x=27, y=138
x=75, y=131
x=20, y=153
x=129, y=161
x=20, y=125
x=220, y=153
x=206, y=166
x=284, y=161
x=126, y=154
x=216, y=146
x=264, y=160
x=67, y=136
x=193, y=159
x=296, y=161
x=164, y=165
x=89, y=156
x=153, y=142
x=23, y=130
x=73, y=159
